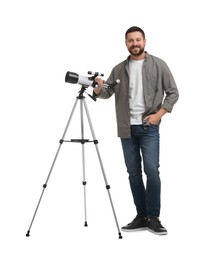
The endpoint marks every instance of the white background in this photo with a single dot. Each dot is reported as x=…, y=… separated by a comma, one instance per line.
x=40, y=42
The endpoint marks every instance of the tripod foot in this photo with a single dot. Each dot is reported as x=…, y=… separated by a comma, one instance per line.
x=28, y=233
x=120, y=236
x=85, y=224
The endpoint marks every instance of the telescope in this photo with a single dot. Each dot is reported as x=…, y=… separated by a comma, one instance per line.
x=74, y=78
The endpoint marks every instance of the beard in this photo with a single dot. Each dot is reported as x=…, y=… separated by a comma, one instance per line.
x=136, y=52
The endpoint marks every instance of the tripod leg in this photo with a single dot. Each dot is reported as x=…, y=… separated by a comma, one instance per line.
x=52, y=166
x=83, y=161
x=102, y=167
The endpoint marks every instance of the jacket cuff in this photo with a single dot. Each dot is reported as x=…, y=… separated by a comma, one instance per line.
x=168, y=107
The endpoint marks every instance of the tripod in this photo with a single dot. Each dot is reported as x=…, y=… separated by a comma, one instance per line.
x=83, y=104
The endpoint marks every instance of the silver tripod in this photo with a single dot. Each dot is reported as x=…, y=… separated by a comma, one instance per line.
x=83, y=104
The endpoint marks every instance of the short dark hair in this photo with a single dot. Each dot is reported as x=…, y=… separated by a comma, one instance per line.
x=135, y=29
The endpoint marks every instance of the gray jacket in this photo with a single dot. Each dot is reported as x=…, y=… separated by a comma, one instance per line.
x=157, y=82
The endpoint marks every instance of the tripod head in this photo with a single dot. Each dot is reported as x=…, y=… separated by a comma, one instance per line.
x=82, y=91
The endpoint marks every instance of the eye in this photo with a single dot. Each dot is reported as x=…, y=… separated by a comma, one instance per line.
x=130, y=40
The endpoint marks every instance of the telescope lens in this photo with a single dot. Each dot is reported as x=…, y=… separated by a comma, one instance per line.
x=71, y=77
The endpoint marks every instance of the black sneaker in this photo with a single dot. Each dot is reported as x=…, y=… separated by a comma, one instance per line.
x=139, y=223
x=154, y=226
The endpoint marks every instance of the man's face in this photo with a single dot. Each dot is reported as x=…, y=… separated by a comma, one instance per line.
x=135, y=43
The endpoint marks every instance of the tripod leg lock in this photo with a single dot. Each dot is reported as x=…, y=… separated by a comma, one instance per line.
x=95, y=141
x=108, y=187
x=84, y=182
x=45, y=186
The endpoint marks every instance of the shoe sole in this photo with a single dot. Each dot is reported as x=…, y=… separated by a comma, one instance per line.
x=134, y=230
x=163, y=233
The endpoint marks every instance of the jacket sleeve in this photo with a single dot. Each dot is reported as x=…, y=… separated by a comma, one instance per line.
x=170, y=89
x=106, y=92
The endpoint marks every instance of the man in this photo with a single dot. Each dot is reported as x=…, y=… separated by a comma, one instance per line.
x=146, y=92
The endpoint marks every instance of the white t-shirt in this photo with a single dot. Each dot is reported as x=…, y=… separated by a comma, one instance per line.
x=136, y=97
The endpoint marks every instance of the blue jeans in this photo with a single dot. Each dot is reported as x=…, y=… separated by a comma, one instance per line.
x=143, y=146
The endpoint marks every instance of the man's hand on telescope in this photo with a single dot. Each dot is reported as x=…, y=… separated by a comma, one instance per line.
x=100, y=83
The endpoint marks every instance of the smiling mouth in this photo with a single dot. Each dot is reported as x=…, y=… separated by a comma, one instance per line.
x=135, y=49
